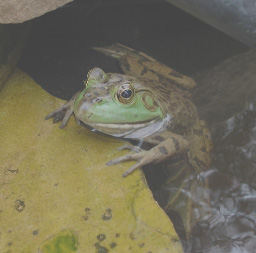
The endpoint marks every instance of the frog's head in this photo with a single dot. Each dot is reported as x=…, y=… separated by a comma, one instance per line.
x=118, y=105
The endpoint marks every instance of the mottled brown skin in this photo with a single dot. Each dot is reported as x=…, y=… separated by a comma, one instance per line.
x=173, y=91
x=185, y=135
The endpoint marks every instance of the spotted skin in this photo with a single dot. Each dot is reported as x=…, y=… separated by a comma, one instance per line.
x=160, y=106
x=186, y=135
x=171, y=86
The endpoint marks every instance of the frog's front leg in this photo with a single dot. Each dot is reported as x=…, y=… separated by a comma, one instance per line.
x=172, y=147
x=64, y=112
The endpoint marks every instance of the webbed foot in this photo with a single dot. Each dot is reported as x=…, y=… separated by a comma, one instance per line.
x=142, y=158
x=63, y=113
x=169, y=148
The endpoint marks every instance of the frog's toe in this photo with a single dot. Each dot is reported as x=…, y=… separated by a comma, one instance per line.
x=62, y=112
x=130, y=157
x=130, y=147
x=50, y=115
x=57, y=116
x=133, y=168
x=119, y=159
x=122, y=159
x=66, y=118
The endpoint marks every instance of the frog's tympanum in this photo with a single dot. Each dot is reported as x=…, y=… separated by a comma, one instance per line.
x=150, y=102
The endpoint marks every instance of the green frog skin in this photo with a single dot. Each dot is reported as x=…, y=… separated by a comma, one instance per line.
x=150, y=102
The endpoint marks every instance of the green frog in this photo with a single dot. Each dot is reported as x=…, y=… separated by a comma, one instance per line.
x=150, y=103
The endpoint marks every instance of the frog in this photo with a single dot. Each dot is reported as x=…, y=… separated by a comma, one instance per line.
x=148, y=103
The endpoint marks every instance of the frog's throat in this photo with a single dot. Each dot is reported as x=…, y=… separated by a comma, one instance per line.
x=133, y=131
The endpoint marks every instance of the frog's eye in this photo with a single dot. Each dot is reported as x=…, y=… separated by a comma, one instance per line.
x=87, y=77
x=125, y=93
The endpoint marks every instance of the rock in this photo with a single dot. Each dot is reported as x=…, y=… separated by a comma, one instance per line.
x=226, y=89
x=13, y=38
x=18, y=11
x=57, y=192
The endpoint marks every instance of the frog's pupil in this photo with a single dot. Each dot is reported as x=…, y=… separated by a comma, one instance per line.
x=126, y=93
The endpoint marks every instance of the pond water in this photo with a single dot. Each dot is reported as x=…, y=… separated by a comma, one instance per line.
x=58, y=56
x=232, y=178
x=229, y=226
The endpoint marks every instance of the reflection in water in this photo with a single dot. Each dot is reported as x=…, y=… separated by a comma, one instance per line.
x=232, y=181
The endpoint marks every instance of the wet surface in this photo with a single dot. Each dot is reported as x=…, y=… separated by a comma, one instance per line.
x=58, y=56
x=232, y=177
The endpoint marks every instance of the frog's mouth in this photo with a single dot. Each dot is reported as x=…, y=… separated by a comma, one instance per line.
x=137, y=130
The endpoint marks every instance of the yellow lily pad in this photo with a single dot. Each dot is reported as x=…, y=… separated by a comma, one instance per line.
x=57, y=194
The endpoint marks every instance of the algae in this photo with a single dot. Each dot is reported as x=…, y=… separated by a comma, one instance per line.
x=64, y=242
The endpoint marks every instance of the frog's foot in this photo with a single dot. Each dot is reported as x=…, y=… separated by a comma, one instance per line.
x=172, y=147
x=142, y=158
x=57, y=115
x=63, y=113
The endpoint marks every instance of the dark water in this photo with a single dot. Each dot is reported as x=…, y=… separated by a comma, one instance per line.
x=230, y=224
x=58, y=56
x=232, y=179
